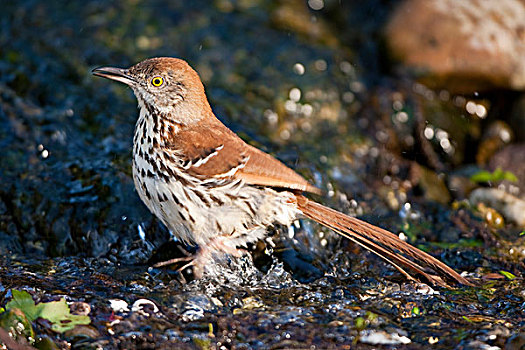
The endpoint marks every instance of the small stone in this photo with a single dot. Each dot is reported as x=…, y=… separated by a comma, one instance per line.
x=80, y=308
x=374, y=337
x=145, y=307
x=118, y=305
x=251, y=303
x=82, y=331
x=512, y=208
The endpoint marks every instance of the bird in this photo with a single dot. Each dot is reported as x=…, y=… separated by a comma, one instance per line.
x=212, y=189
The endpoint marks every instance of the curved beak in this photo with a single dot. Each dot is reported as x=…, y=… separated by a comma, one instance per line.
x=113, y=73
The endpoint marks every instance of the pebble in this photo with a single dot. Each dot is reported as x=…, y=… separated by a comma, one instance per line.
x=375, y=337
x=118, y=305
x=512, y=208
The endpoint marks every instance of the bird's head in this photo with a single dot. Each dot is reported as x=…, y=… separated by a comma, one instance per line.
x=164, y=84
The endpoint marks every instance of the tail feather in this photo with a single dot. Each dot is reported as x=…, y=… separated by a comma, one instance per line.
x=381, y=242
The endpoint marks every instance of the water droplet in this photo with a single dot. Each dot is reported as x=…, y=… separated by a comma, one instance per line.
x=505, y=135
x=429, y=133
x=285, y=134
x=346, y=67
x=316, y=4
x=402, y=117
x=441, y=134
x=348, y=97
x=357, y=86
x=445, y=144
x=320, y=65
x=471, y=107
x=295, y=94
x=298, y=69
x=290, y=106
x=142, y=234
x=481, y=111
x=307, y=110
x=306, y=127
x=291, y=232
x=397, y=105
x=444, y=95
x=271, y=116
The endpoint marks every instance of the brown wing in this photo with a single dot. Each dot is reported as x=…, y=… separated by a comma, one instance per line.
x=214, y=150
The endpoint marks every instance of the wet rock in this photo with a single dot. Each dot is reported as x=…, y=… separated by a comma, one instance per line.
x=16, y=322
x=517, y=341
x=432, y=185
x=494, y=333
x=296, y=15
x=491, y=216
x=82, y=333
x=512, y=208
x=252, y=302
x=45, y=343
x=464, y=46
x=511, y=158
x=419, y=124
x=495, y=136
x=517, y=117
x=460, y=186
x=476, y=344
x=195, y=307
x=375, y=337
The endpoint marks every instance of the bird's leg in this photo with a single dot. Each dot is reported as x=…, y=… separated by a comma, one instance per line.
x=174, y=261
x=223, y=244
x=188, y=257
x=199, y=260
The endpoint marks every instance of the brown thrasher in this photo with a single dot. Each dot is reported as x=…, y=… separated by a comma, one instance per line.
x=212, y=189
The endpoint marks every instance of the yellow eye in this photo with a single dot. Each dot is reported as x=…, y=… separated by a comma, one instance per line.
x=157, y=81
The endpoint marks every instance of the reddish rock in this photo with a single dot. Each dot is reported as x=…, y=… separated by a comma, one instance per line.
x=464, y=46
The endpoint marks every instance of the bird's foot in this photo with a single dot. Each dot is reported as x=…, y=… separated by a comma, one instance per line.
x=204, y=255
x=174, y=261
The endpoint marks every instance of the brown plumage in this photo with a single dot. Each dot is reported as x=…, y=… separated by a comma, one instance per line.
x=260, y=169
x=211, y=188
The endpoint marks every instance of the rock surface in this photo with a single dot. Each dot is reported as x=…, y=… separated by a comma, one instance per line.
x=467, y=46
x=511, y=158
x=512, y=208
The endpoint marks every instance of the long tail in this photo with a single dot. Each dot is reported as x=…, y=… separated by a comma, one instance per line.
x=381, y=242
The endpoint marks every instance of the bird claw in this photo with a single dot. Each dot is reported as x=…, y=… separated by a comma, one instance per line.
x=203, y=256
x=174, y=261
